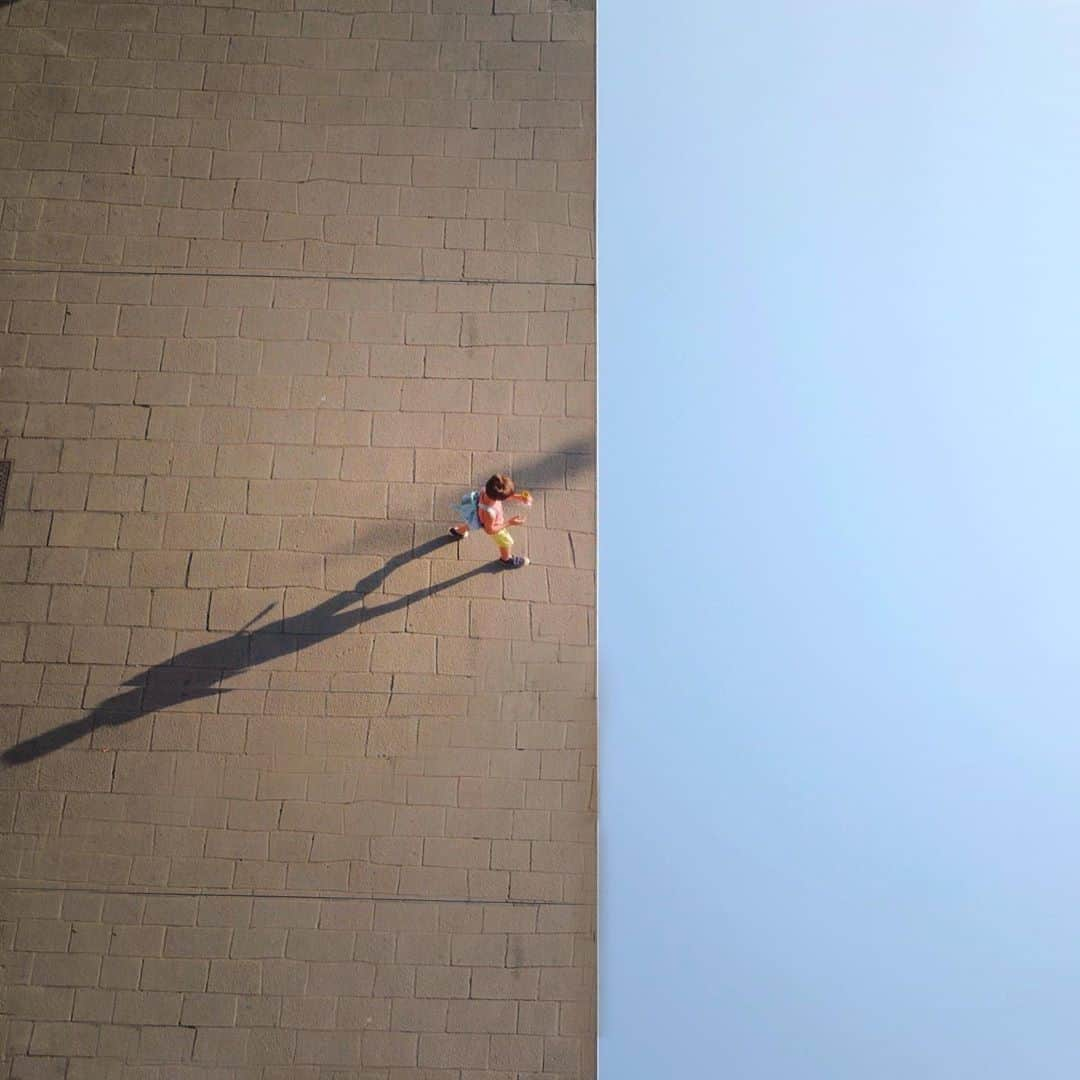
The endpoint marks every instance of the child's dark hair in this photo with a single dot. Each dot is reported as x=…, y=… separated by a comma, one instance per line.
x=499, y=487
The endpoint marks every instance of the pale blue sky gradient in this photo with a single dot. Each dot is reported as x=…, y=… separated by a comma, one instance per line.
x=840, y=606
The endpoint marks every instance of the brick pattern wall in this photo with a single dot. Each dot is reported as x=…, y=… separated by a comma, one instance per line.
x=293, y=786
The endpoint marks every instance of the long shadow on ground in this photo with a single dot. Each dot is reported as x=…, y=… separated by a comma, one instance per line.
x=199, y=672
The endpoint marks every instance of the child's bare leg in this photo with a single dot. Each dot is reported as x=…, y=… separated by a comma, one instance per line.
x=504, y=542
x=506, y=556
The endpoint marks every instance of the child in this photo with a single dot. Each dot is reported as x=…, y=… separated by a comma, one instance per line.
x=484, y=510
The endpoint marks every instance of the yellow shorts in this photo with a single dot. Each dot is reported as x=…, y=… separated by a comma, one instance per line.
x=502, y=538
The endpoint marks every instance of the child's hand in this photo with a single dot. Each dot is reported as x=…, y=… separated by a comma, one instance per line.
x=516, y=520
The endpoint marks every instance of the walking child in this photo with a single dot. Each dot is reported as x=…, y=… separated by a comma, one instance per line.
x=484, y=510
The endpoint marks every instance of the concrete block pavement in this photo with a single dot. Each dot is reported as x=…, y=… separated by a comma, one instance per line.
x=294, y=787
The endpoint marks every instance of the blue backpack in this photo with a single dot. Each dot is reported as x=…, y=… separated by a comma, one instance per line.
x=468, y=509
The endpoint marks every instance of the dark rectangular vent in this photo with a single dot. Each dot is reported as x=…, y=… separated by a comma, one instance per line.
x=5, y=475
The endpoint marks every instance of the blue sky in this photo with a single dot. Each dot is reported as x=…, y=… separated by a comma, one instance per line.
x=840, y=613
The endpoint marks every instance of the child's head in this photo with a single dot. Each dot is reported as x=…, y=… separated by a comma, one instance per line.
x=499, y=487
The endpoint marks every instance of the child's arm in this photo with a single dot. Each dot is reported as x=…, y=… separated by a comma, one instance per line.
x=491, y=529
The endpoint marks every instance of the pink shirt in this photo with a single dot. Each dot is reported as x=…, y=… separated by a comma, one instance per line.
x=494, y=513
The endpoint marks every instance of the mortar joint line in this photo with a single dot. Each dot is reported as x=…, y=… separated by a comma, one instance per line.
x=281, y=894
x=285, y=276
